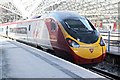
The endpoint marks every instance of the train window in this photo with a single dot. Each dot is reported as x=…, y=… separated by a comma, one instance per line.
x=53, y=25
x=29, y=27
x=11, y=30
x=21, y=30
x=1, y=29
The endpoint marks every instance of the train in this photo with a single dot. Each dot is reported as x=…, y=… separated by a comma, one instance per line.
x=66, y=32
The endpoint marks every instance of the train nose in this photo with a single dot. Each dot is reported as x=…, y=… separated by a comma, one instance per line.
x=89, y=54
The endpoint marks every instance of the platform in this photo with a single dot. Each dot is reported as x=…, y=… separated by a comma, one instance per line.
x=114, y=50
x=23, y=61
x=114, y=42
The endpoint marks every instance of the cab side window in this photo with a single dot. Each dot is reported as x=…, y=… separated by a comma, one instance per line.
x=53, y=25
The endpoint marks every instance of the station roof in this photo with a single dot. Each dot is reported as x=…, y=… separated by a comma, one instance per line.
x=25, y=8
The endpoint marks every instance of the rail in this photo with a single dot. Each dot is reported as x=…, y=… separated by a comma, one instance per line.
x=104, y=73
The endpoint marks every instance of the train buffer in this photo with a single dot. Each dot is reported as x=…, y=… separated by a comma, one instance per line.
x=23, y=61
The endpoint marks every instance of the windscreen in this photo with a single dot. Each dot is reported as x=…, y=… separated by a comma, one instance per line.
x=82, y=29
x=81, y=24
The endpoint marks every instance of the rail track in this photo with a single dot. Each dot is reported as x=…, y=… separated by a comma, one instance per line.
x=105, y=73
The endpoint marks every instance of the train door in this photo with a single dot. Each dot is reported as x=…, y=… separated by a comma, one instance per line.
x=53, y=29
x=7, y=31
x=28, y=32
x=35, y=31
x=31, y=33
x=29, y=38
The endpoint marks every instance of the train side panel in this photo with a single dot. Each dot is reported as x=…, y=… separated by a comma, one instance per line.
x=34, y=32
x=57, y=39
x=11, y=31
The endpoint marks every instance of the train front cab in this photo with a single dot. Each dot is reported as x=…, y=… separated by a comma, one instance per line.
x=84, y=53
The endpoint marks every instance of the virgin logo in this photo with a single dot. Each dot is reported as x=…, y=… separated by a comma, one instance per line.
x=91, y=50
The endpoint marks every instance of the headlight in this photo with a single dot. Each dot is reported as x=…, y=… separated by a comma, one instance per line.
x=102, y=43
x=72, y=43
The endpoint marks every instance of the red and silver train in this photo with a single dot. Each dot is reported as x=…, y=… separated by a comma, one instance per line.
x=67, y=33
